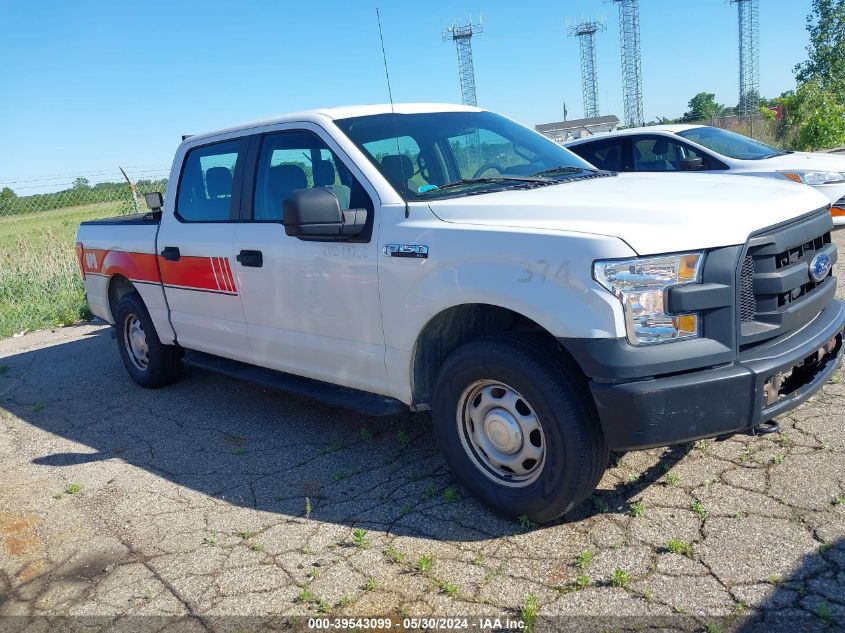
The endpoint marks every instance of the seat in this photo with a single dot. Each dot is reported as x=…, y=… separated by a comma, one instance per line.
x=398, y=169
x=281, y=180
x=325, y=176
x=218, y=185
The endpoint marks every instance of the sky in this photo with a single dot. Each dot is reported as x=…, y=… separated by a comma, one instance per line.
x=86, y=86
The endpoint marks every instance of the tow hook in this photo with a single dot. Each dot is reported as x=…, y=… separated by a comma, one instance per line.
x=765, y=428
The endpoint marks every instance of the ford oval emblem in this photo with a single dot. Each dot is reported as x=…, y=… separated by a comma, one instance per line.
x=820, y=267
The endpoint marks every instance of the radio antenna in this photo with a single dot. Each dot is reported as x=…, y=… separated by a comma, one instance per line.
x=392, y=112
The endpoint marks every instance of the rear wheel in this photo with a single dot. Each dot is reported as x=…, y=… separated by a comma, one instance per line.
x=518, y=428
x=150, y=363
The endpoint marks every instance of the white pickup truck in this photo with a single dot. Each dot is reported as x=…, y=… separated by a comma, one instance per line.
x=445, y=258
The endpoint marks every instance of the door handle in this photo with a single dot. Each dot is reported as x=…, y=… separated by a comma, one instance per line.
x=251, y=258
x=171, y=253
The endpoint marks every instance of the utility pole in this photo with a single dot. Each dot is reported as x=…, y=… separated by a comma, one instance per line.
x=632, y=77
x=586, y=31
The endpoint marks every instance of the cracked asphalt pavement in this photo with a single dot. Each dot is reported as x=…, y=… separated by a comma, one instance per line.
x=215, y=505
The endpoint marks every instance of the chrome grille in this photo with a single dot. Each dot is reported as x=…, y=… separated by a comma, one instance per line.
x=747, y=301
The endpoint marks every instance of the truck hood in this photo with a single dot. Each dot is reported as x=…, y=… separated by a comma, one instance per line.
x=653, y=214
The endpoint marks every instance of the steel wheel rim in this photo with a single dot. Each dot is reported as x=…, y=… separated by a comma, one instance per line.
x=136, y=342
x=501, y=433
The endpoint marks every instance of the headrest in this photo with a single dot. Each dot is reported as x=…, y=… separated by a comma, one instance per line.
x=286, y=178
x=398, y=169
x=218, y=182
x=324, y=175
x=660, y=147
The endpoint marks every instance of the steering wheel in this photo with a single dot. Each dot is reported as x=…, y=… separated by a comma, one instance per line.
x=485, y=167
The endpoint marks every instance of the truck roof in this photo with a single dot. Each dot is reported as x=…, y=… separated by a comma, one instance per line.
x=342, y=112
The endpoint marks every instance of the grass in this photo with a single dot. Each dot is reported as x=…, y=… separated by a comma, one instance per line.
x=72, y=489
x=698, y=508
x=677, y=546
x=359, y=538
x=529, y=610
x=637, y=509
x=40, y=284
x=424, y=562
x=672, y=479
x=394, y=554
x=584, y=559
x=526, y=523
x=620, y=578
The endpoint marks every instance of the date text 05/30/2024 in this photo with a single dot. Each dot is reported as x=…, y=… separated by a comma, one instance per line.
x=480, y=624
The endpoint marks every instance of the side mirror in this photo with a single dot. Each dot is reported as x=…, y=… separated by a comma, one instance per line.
x=154, y=200
x=316, y=213
x=692, y=164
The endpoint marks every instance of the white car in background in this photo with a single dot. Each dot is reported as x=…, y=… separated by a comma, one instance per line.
x=666, y=148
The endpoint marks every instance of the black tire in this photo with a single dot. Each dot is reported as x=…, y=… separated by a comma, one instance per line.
x=164, y=362
x=576, y=455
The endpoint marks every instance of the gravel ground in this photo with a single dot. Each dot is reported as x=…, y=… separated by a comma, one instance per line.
x=217, y=505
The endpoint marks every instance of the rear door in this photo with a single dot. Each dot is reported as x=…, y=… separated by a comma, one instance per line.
x=609, y=154
x=195, y=251
x=312, y=307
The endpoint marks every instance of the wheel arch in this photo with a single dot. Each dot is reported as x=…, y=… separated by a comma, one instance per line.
x=460, y=324
x=119, y=287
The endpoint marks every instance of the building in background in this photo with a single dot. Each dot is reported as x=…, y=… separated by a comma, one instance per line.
x=562, y=131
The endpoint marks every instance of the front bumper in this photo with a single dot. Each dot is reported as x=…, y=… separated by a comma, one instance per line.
x=724, y=399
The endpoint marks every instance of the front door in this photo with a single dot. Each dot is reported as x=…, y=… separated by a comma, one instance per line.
x=195, y=252
x=312, y=308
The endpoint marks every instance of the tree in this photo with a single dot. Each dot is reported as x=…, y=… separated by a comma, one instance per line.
x=703, y=106
x=826, y=63
x=7, y=194
x=81, y=183
x=817, y=114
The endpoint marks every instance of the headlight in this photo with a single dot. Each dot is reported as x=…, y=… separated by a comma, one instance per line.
x=641, y=284
x=814, y=177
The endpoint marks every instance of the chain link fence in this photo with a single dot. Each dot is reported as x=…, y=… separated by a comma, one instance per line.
x=123, y=190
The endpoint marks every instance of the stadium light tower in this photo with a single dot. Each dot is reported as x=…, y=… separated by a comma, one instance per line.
x=749, y=56
x=462, y=34
x=586, y=31
x=632, y=76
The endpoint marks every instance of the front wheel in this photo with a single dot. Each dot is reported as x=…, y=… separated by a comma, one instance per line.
x=150, y=363
x=517, y=427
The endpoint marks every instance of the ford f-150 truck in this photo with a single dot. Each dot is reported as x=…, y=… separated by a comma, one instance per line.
x=446, y=258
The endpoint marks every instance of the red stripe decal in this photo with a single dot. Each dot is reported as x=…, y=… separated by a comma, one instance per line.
x=200, y=273
x=134, y=266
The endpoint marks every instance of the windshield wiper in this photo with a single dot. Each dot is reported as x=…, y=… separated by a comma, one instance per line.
x=564, y=169
x=490, y=180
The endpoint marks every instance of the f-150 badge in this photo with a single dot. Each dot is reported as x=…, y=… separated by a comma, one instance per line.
x=416, y=251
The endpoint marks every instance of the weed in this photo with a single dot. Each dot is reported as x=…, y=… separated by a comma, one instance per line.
x=478, y=560
x=672, y=479
x=340, y=476
x=839, y=500
x=257, y=547
x=637, y=509
x=529, y=610
x=345, y=601
x=713, y=627
x=783, y=440
x=394, y=554
x=525, y=523
x=823, y=611
x=648, y=595
x=632, y=479
x=306, y=596
x=429, y=492
x=405, y=510
x=244, y=534
x=775, y=579
x=323, y=606
x=620, y=578
x=451, y=494
x=38, y=406
x=370, y=585
x=210, y=539
x=424, y=563
x=307, y=507
x=365, y=433
x=702, y=445
x=306, y=549
x=698, y=508
x=359, y=538
x=778, y=458
x=403, y=438
x=599, y=504
x=72, y=489
x=582, y=581
x=449, y=589
x=677, y=546
x=238, y=450
x=313, y=573
x=584, y=559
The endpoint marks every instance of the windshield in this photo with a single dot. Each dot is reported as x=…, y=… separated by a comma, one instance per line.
x=441, y=154
x=730, y=144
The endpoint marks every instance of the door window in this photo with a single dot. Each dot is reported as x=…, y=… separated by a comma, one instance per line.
x=603, y=154
x=301, y=160
x=658, y=153
x=207, y=181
